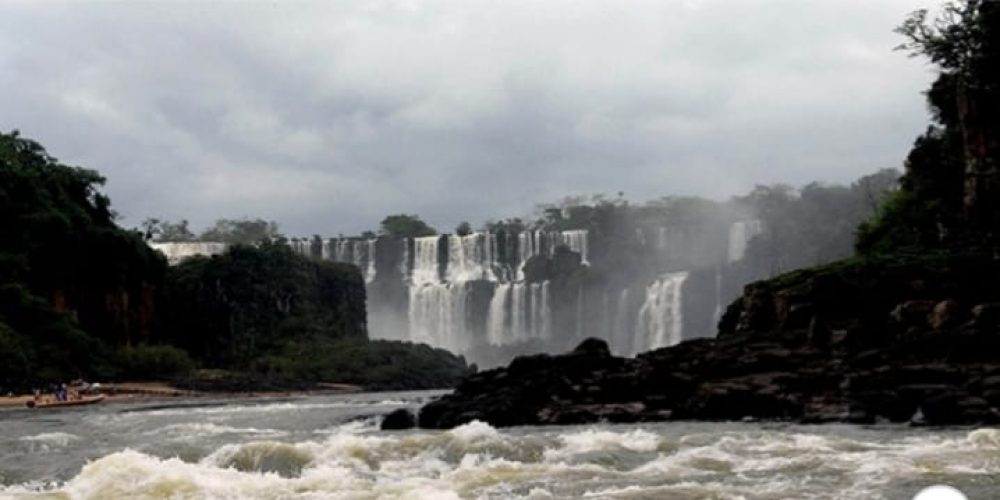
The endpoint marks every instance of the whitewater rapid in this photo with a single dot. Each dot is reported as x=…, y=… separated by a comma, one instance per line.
x=331, y=448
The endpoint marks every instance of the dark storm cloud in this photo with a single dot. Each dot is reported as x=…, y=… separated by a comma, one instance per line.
x=328, y=116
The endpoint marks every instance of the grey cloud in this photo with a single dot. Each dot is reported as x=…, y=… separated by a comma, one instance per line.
x=328, y=116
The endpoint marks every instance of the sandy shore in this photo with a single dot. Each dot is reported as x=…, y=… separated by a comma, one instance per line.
x=145, y=391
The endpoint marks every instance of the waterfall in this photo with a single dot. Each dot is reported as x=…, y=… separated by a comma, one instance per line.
x=355, y=251
x=324, y=250
x=519, y=312
x=404, y=259
x=437, y=315
x=472, y=257
x=529, y=244
x=660, y=319
x=740, y=233
x=425, y=260
x=370, y=257
x=301, y=246
x=537, y=242
x=576, y=240
x=180, y=250
x=496, y=319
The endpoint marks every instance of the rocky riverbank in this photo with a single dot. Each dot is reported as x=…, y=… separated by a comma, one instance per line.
x=894, y=339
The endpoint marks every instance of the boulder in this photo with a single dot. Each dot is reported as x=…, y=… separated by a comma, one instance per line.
x=593, y=347
x=986, y=317
x=400, y=419
x=945, y=314
x=912, y=312
x=955, y=408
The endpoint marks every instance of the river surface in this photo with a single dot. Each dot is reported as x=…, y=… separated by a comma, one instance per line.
x=329, y=447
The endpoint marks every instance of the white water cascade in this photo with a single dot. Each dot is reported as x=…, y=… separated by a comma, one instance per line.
x=425, y=261
x=360, y=252
x=529, y=244
x=519, y=312
x=660, y=320
x=439, y=292
x=437, y=315
x=576, y=240
x=537, y=242
x=472, y=257
x=178, y=251
x=740, y=234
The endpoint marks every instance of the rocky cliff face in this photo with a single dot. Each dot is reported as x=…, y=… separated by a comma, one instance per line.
x=859, y=341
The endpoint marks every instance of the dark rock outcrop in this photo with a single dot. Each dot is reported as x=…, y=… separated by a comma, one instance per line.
x=857, y=341
x=400, y=419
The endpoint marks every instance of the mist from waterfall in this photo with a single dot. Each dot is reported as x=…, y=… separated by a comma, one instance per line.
x=467, y=292
x=740, y=234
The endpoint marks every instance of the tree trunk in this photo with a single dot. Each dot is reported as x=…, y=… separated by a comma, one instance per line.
x=981, y=141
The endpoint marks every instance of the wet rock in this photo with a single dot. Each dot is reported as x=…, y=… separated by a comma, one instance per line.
x=593, y=347
x=946, y=313
x=400, y=419
x=859, y=343
x=912, y=312
x=955, y=408
x=986, y=317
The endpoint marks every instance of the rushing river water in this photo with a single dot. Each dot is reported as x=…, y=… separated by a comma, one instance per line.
x=330, y=447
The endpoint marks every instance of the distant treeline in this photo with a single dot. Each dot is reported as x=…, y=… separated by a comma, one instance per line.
x=82, y=297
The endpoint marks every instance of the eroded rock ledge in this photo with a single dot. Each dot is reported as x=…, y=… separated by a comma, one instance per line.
x=857, y=341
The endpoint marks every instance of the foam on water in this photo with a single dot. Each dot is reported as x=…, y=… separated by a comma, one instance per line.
x=478, y=461
x=51, y=438
x=197, y=430
x=48, y=441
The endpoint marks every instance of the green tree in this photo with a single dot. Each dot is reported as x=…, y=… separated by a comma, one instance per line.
x=406, y=226
x=72, y=283
x=952, y=178
x=241, y=231
x=463, y=229
x=165, y=231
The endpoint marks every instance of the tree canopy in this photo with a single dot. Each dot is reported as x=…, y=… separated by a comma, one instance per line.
x=406, y=226
x=952, y=179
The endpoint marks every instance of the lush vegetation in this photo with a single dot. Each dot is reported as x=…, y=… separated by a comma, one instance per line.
x=230, y=310
x=82, y=297
x=233, y=231
x=74, y=287
x=949, y=192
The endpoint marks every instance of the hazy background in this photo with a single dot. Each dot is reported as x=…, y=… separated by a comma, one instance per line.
x=328, y=116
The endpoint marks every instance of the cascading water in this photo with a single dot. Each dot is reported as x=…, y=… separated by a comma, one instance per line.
x=464, y=293
x=301, y=246
x=740, y=234
x=472, y=257
x=425, y=261
x=178, y=251
x=519, y=312
x=576, y=240
x=436, y=310
x=660, y=319
x=437, y=315
x=529, y=244
x=355, y=251
x=537, y=242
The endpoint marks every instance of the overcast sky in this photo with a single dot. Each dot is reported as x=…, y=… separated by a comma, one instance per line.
x=328, y=116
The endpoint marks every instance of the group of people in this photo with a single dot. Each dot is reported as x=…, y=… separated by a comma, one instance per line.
x=63, y=392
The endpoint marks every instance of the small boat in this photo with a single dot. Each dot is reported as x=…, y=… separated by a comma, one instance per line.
x=83, y=400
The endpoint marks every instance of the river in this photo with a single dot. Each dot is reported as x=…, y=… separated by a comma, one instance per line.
x=330, y=447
